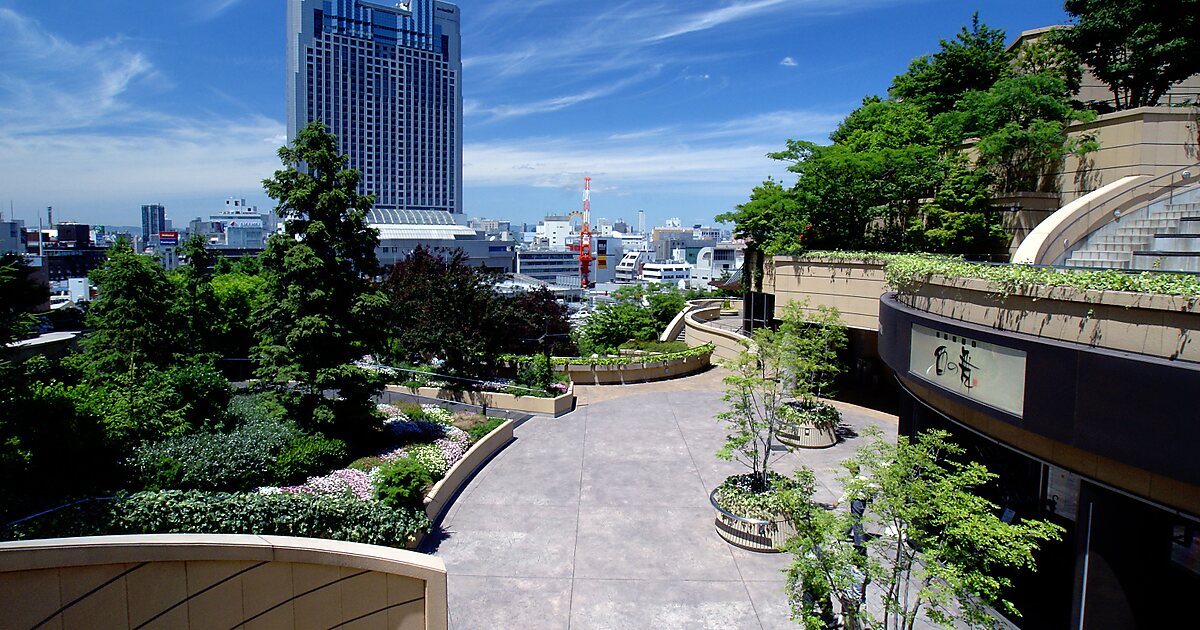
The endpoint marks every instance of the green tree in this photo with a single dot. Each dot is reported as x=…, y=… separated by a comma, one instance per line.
x=1138, y=48
x=536, y=315
x=134, y=320
x=942, y=552
x=196, y=304
x=1021, y=123
x=445, y=307
x=763, y=222
x=321, y=310
x=972, y=62
x=237, y=296
x=20, y=294
x=776, y=366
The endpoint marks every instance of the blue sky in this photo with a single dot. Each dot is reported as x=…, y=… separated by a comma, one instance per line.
x=669, y=106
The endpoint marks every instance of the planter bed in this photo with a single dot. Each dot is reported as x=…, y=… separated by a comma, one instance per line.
x=764, y=536
x=556, y=406
x=805, y=436
x=442, y=492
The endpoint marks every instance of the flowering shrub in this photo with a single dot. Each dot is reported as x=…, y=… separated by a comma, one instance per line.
x=431, y=456
x=346, y=481
x=238, y=460
x=437, y=414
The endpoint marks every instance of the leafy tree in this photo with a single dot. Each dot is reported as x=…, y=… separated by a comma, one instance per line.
x=611, y=325
x=1021, y=123
x=20, y=293
x=196, y=305
x=1047, y=55
x=773, y=368
x=134, y=319
x=536, y=315
x=237, y=296
x=973, y=61
x=321, y=310
x=446, y=308
x=1139, y=48
x=759, y=222
x=958, y=221
x=943, y=550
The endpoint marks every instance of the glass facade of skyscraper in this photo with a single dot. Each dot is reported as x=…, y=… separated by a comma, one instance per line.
x=385, y=78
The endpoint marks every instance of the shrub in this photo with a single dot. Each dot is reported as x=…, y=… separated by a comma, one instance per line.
x=816, y=414
x=655, y=346
x=536, y=373
x=738, y=496
x=308, y=455
x=431, y=456
x=311, y=516
x=402, y=482
x=479, y=431
x=437, y=414
x=239, y=460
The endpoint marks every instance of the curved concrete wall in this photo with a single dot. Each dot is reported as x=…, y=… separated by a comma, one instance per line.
x=1156, y=325
x=217, y=581
x=463, y=470
x=644, y=372
x=726, y=344
x=851, y=287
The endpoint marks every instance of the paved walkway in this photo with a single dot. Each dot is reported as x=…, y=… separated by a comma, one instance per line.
x=600, y=519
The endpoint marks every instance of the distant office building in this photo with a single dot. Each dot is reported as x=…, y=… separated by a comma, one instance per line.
x=402, y=231
x=74, y=235
x=667, y=272
x=385, y=78
x=71, y=254
x=718, y=262
x=12, y=237
x=237, y=227
x=630, y=267
x=556, y=267
x=553, y=233
x=154, y=220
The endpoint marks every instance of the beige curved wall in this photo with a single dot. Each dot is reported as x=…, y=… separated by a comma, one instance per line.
x=440, y=495
x=1155, y=325
x=726, y=344
x=853, y=288
x=636, y=372
x=199, y=581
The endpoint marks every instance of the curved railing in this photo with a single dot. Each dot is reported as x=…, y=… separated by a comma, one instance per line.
x=1053, y=240
x=755, y=534
x=726, y=344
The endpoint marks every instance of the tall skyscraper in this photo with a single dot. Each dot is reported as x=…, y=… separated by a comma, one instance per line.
x=385, y=78
x=154, y=220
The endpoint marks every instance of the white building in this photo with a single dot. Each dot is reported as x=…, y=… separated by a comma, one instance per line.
x=716, y=263
x=666, y=271
x=554, y=232
x=630, y=267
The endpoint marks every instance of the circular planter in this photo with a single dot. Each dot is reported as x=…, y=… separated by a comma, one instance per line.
x=806, y=436
x=751, y=533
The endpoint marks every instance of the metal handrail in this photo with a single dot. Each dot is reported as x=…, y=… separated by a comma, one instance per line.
x=55, y=509
x=712, y=498
x=1118, y=200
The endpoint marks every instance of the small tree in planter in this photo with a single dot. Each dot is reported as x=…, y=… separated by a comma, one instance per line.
x=774, y=368
x=944, y=552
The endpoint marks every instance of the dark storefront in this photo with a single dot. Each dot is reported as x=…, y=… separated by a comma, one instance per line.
x=1092, y=439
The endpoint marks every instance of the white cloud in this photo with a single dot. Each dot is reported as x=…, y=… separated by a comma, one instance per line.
x=496, y=112
x=77, y=132
x=724, y=155
x=717, y=17
x=788, y=61
x=211, y=9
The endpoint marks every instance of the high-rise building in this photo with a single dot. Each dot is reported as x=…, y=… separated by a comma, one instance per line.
x=385, y=78
x=154, y=220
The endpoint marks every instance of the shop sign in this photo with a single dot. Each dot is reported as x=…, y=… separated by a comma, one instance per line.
x=984, y=372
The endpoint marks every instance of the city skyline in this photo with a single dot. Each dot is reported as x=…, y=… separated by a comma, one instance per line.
x=671, y=108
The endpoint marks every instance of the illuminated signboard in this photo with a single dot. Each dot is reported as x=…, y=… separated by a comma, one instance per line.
x=985, y=372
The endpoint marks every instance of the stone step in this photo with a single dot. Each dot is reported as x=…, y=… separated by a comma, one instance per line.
x=1090, y=254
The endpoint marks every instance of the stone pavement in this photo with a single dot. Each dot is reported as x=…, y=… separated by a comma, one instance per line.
x=600, y=519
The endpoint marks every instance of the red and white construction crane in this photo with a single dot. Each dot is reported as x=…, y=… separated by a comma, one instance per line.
x=585, y=236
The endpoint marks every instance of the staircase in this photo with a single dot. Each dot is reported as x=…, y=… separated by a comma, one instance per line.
x=1150, y=242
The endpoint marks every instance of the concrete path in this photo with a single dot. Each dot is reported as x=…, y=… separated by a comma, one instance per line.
x=600, y=519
